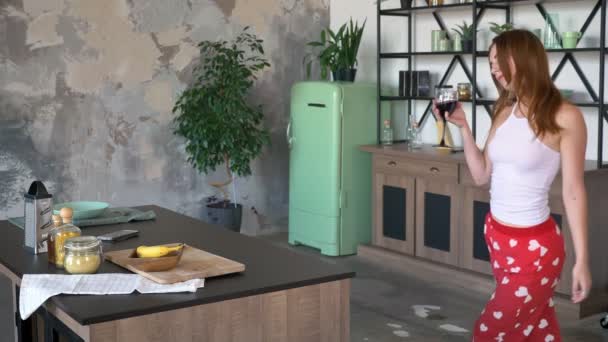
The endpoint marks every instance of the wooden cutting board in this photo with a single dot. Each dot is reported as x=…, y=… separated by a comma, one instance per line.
x=195, y=263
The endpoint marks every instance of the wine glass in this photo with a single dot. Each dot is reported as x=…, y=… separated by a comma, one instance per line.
x=446, y=98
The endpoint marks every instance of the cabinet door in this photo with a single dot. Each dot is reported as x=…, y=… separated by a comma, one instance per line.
x=474, y=254
x=394, y=212
x=559, y=214
x=437, y=226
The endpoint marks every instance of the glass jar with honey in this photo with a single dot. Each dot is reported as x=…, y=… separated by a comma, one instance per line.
x=58, y=236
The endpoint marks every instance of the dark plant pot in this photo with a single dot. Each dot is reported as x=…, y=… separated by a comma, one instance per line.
x=467, y=46
x=406, y=3
x=345, y=75
x=224, y=213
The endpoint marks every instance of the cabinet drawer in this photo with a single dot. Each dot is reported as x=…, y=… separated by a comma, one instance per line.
x=420, y=168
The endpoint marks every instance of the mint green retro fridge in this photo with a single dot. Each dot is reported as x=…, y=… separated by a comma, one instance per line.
x=329, y=177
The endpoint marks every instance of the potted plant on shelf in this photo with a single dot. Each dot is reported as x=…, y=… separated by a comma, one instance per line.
x=336, y=52
x=219, y=125
x=466, y=34
x=498, y=29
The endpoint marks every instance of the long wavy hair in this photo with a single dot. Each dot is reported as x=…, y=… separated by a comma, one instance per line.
x=532, y=84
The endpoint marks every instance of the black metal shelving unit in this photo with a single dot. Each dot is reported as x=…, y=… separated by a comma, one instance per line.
x=478, y=9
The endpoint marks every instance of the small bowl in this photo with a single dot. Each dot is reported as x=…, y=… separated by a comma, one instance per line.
x=83, y=209
x=159, y=264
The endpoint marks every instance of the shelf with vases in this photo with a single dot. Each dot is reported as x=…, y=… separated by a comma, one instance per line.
x=475, y=11
x=560, y=50
x=422, y=9
x=462, y=6
x=484, y=101
x=385, y=55
x=491, y=3
x=388, y=55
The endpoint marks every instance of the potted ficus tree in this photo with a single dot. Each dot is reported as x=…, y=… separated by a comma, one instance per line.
x=466, y=34
x=336, y=52
x=215, y=118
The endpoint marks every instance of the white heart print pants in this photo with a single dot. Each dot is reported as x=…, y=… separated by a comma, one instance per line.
x=527, y=264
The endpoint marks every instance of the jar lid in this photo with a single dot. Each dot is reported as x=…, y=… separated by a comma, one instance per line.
x=82, y=242
x=463, y=84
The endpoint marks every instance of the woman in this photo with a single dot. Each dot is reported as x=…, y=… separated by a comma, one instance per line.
x=533, y=131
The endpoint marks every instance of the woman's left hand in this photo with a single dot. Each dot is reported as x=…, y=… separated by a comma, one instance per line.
x=581, y=282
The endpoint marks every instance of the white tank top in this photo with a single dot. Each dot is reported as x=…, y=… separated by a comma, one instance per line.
x=523, y=169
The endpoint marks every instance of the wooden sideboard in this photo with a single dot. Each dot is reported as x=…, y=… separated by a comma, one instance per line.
x=426, y=207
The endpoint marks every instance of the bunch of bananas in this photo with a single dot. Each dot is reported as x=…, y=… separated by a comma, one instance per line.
x=156, y=251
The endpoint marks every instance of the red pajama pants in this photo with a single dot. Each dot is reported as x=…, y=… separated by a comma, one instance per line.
x=527, y=263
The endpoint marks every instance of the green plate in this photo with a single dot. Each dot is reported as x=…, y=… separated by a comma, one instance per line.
x=83, y=209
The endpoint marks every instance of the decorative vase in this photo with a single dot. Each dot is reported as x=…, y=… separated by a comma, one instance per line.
x=457, y=46
x=444, y=45
x=436, y=37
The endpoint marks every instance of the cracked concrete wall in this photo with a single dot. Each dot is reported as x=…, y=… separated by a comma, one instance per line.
x=87, y=87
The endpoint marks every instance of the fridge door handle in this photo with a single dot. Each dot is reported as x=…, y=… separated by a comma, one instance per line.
x=288, y=135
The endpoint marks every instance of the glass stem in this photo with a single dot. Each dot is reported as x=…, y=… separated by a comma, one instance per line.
x=442, y=143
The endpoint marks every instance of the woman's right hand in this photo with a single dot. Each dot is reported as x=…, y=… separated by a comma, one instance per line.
x=458, y=117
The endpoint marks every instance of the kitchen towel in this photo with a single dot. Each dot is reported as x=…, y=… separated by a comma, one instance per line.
x=37, y=288
x=110, y=216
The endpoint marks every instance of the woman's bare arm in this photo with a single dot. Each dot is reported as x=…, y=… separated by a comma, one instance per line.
x=573, y=142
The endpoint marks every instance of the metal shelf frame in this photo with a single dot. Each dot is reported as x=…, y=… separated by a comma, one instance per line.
x=478, y=9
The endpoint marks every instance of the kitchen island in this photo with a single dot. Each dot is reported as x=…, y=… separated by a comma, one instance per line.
x=281, y=296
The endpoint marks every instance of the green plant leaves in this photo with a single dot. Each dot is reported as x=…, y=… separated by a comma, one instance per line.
x=335, y=50
x=498, y=29
x=213, y=115
x=466, y=31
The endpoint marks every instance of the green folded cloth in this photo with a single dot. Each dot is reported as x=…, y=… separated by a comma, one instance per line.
x=110, y=216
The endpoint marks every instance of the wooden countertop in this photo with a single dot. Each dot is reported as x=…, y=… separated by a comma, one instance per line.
x=268, y=268
x=428, y=152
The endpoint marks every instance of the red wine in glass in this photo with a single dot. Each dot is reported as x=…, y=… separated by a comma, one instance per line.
x=446, y=99
x=447, y=106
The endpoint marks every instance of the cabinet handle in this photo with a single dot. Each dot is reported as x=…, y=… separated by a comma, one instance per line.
x=392, y=163
x=434, y=170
